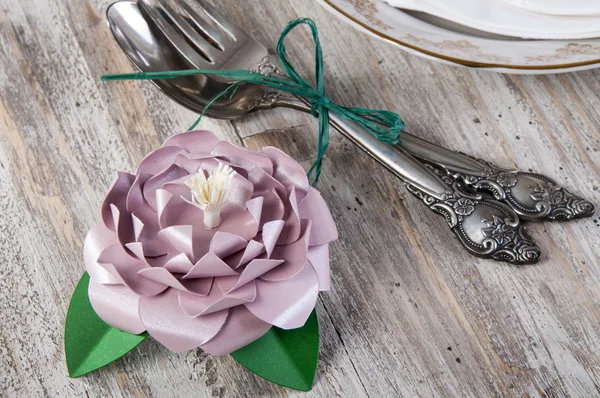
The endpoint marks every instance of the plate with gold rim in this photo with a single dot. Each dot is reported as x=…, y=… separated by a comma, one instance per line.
x=447, y=42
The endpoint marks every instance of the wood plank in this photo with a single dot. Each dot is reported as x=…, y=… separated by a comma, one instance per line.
x=409, y=313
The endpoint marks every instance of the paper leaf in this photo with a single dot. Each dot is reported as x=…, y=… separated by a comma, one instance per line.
x=90, y=343
x=285, y=357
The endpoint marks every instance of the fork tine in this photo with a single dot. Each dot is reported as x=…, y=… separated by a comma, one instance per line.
x=189, y=53
x=208, y=26
x=197, y=40
x=236, y=32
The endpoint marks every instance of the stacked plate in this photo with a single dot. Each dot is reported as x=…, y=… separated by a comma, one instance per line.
x=514, y=36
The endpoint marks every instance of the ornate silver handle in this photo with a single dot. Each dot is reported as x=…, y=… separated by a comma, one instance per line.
x=532, y=196
x=486, y=228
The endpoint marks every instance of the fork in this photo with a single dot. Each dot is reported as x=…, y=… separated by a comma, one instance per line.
x=485, y=227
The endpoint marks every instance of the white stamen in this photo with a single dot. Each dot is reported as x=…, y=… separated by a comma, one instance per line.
x=211, y=194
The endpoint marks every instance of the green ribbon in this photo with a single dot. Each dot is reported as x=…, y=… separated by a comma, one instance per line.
x=384, y=125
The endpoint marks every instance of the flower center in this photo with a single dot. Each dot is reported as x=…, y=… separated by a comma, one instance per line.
x=211, y=194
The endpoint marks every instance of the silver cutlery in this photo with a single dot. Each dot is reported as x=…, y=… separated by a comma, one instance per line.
x=532, y=196
x=185, y=38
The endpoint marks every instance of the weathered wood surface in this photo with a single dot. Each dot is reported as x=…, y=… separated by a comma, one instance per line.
x=409, y=314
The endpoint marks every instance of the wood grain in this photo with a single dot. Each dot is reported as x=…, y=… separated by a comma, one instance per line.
x=409, y=314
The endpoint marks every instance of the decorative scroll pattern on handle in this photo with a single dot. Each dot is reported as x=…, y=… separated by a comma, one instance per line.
x=532, y=196
x=267, y=97
x=486, y=228
x=267, y=66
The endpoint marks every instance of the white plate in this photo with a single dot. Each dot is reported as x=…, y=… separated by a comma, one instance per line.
x=504, y=18
x=560, y=7
x=455, y=47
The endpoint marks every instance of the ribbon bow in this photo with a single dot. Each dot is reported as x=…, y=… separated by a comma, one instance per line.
x=384, y=125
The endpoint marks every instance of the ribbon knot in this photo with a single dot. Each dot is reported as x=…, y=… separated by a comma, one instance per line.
x=384, y=125
x=319, y=102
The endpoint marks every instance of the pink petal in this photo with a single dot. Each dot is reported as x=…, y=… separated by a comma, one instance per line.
x=273, y=208
x=200, y=286
x=138, y=226
x=172, y=210
x=189, y=163
x=202, y=238
x=178, y=188
x=96, y=241
x=137, y=249
x=187, y=232
x=241, y=191
x=116, y=305
x=123, y=225
x=239, y=222
x=163, y=197
x=255, y=207
x=291, y=229
x=147, y=235
x=171, y=173
x=158, y=160
x=135, y=198
x=253, y=249
x=210, y=266
x=264, y=181
x=270, y=234
x=197, y=142
x=217, y=300
x=286, y=304
x=159, y=261
x=161, y=275
x=240, y=329
x=117, y=196
x=287, y=170
x=224, y=244
x=179, y=264
x=164, y=320
x=294, y=255
x=253, y=270
x=179, y=237
x=116, y=259
x=318, y=257
x=242, y=157
x=314, y=207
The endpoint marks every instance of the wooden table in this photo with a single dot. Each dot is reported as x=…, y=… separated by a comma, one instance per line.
x=410, y=313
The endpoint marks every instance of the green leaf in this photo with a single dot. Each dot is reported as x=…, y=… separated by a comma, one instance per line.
x=89, y=342
x=285, y=357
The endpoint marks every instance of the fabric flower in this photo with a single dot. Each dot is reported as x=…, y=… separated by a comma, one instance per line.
x=157, y=266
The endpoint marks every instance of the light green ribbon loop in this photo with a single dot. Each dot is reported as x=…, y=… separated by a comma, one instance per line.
x=384, y=125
